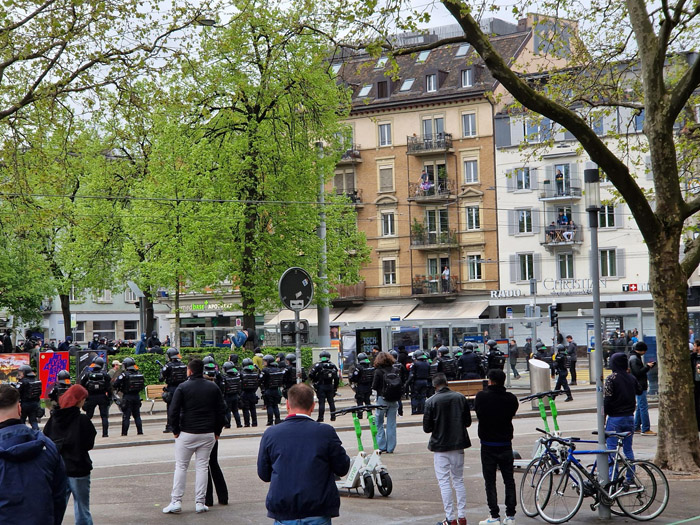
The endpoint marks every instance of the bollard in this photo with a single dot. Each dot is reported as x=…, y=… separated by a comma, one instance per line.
x=540, y=380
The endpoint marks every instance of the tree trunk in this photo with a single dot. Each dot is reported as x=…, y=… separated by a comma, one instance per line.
x=177, y=314
x=148, y=312
x=678, y=446
x=65, y=310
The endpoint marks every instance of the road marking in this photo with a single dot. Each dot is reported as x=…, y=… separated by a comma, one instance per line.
x=685, y=521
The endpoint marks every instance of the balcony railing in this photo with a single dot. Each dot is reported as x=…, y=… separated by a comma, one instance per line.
x=566, y=188
x=350, y=293
x=433, y=285
x=562, y=236
x=355, y=196
x=429, y=191
x=429, y=143
x=352, y=154
x=426, y=240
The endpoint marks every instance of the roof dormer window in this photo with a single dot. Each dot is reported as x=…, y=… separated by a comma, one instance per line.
x=462, y=50
x=423, y=56
x=365, y=90
x=407, y=84
x=431, y=83
x=381, y=63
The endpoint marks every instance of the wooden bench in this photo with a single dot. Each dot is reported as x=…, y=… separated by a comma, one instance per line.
x=469, y=387
x=154, y=392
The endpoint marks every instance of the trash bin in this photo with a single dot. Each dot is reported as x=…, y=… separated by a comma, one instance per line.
x=540, y=379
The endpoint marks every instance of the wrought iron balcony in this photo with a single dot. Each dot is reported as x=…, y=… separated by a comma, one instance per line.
x=351, y=155
x=433, y=285
x=566, y=188
x=561, y=236
x=444, y=190
x=423, y=240
x=349, y=294
x=428, y=144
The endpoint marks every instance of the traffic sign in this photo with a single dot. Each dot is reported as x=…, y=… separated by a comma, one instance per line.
x=296, y=289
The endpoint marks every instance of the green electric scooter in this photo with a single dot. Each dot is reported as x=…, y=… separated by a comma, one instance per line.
x=366, y=470
x=539, y=444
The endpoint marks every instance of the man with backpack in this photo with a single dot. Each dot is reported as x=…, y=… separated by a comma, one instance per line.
x=130, y=383
x=387, y=383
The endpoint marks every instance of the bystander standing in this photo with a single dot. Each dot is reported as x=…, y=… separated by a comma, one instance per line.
x=640, y=370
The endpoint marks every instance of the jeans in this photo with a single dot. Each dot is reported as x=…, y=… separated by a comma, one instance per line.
x=185, y=445
x=516, y=374
x=80, y=488
x=449, y=471
x=572, y=369
x=501, y=457
x=386, y=438
x=314, y=520
x=641, y=416
x=620, y=424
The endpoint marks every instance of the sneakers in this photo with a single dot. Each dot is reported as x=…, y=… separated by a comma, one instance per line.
x=510, y=520
x=200, y=507
x=448, y=522
x=491, y=521
x=648, y=433
x=568, y=399
x=461, y=521
x=637, y=430
x=173, y=508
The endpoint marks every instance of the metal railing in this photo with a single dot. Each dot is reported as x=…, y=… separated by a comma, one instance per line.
x=355, y=196
x=552, y=187
x=560, y=235
x=433, y=285
x=352, y=153
x=429, y=143
x=430, y=190
x=424, y=238
x=350, y=291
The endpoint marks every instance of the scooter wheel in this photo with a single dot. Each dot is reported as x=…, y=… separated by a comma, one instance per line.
x=385, y=486
x=368, y=489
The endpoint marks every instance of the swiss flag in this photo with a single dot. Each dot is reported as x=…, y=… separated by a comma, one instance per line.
x=633, y=287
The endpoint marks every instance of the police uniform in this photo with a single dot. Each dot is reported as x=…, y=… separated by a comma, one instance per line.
x=98, y=385
x=271, y=381
x=250, y=381
x=232, y=395
x=130, y=383
x=418, y=378
x=29, y=397
x=324, y=376
x=59, y=388
x=362, y=376
x=174, y=373
x=470, y=365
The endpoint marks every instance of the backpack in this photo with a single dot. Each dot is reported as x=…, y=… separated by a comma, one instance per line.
x=178, y=373
x=136, y=383
x=393, y=388
x=34, y=391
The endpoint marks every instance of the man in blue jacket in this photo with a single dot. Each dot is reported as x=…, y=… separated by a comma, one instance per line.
x=300, y=459
x=32, y=474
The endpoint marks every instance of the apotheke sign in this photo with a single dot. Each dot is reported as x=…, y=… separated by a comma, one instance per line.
x=206, y=305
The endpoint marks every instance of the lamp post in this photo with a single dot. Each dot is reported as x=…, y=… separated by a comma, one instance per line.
x=323, y=310
x=591, y=178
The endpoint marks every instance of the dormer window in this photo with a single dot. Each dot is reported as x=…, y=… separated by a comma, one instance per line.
x=467, y=78
x=462, y=50
x=423, y=56
x=431, y=83
x=365, y=90
x=382, y=89
x=407, y=84
x=381, y=63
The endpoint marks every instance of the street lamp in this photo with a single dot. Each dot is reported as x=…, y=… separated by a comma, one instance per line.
x=591, y=179
x=323, y=310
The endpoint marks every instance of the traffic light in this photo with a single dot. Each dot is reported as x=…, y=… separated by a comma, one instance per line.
x=553, y=315
x=303, y=331
x=287, y=333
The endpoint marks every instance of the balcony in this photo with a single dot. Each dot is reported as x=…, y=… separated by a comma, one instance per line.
x=562, y=189
x=429, y=144
x=355, y=196
x=444, y=191
x=423, y=240
x=351, y=155
x=349, y=294
x=434, y=287
x=561, y=236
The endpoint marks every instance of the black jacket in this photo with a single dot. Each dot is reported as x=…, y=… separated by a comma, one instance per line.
x=197, y=407
x=495, y=408
x=639, y=370
x=620, y=389
x=74, y=435
x=447, y=417
x=378, y=381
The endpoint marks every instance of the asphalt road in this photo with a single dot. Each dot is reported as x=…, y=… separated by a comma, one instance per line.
x=131, y=484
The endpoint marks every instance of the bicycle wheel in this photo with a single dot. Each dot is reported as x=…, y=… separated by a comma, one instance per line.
x=528, y=484
x=645, y=491
x=559, y=493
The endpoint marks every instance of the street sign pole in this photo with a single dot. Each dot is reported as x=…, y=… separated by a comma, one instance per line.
x=297, y=342
x=296, y=291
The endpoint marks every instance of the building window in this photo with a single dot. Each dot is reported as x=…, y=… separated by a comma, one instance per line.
x=597, y=125
x=608, y=263
x=423, y=56
x=103, y=296
x=385, y=134
x=606, y=217
x=335, y=68
x=522, y=179
x=386, y=178
x=129, y=296
x=473, y=222
x=434, y=128
x=639, y=121
x=131, y=329
x=407, y=84
x=469, y=125
x=471, y=171
x=75, y=296
x=382, y=89
x=431, y=83
x=474, y=267
x=381, y=63
x=389, y=270
x=462, y=50
x=524, y=221
x=79, y=332
x=538, y=131
x=105, y=329
x=365, y=90
x=344, y=182
x=467, y=78
x=526, y=266
x=566, y=265
x=388, y=225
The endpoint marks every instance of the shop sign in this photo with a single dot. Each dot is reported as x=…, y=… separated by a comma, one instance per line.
x=206, y=305
x=497, y=294
x=635, y=287
x=571, y=286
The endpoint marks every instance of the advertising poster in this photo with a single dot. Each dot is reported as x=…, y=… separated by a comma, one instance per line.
x=84, y=359
x=9, y=364
x=50, y=364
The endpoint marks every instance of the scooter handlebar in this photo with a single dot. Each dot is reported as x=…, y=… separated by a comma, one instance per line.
x=539, y=395
x=359, y=408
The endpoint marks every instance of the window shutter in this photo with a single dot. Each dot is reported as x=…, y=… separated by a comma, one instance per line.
x=549, y=176
x=533, y=179
x=573, y=175
x=620, y=262
x=350, y=182
x=619, y=216
x=512, y=222
x=535, y=221
x=502, y=130
x=510, y=180
x=513, y=259
x=537, y=266
x=338, y=182
x=386, y=179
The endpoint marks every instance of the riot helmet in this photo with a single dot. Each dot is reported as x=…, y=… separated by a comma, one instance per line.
x=458, y=352
x=443, y=350
x=540, y=346
x=492, y=344
x=63, y=376
x=325, y=355
x=173, y=353
x=26, y=370
x=419, y=354
x=98, y=362
x=281, y=356
x=362, y=358
x=209, y=361
x=129, y=363
x=561, y=348
x=268, y=358
x=394, y=354
x=233, y=358
x=468, y=347
x=292, y=358
x=228, y=365
x=248, y=363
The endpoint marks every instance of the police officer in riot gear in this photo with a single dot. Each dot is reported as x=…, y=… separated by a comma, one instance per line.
x=250, y=381
x=561, y=365
x=63, y=383
x=362, y=378
x=174, y=373
x=325, y=378
x=99, y=386
x=232, y=392
x=29, y=395
x=271, y=381
x=470, y=363
x=495, y=358
x=130, y=383
x=211, y=372
x=446, y=364
x=418, y=378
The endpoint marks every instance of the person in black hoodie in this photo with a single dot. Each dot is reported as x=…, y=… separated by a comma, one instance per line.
x=619, y=401
x=74, y=435
x=495, y=408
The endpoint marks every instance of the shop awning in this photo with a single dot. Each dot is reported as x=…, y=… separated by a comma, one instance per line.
x=375, y=313
x=310, y=314
x=205, y=314
x=461, y=310
x=183, y=315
